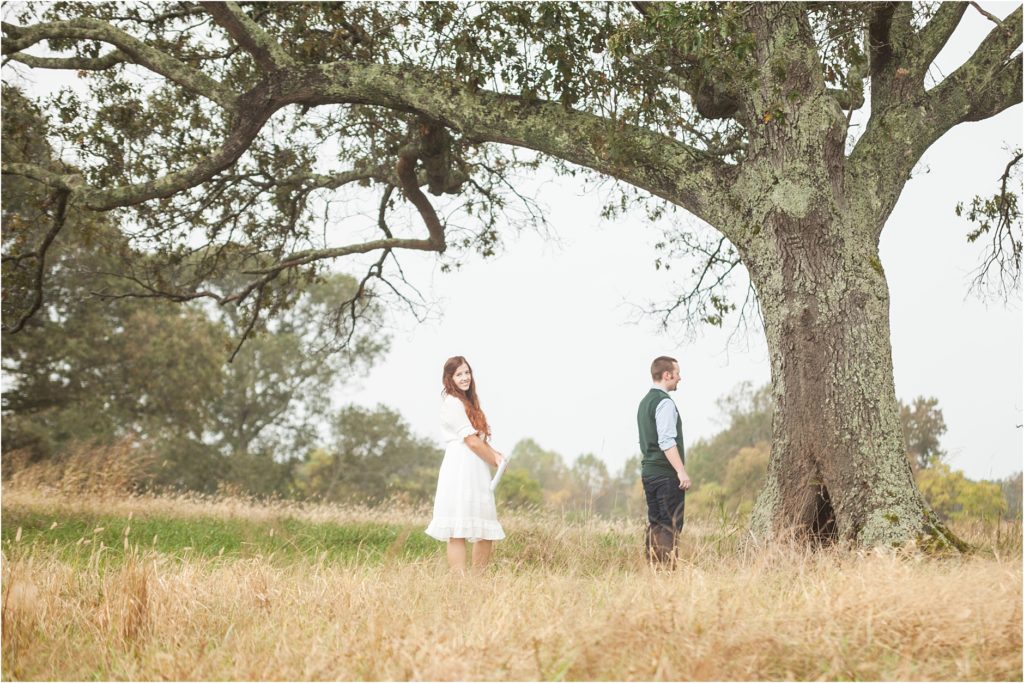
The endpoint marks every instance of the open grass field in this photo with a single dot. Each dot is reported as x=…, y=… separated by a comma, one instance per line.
x=117, y=587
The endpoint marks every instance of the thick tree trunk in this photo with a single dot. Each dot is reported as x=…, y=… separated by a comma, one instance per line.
x=838, y=468
x=809, y=238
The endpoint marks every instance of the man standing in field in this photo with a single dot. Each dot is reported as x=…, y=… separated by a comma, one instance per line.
x=661, y=447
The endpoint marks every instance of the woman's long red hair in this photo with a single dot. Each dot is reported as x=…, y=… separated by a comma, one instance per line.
x=469, y=398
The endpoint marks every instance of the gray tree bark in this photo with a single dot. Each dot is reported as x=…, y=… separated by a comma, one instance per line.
x=838, y=468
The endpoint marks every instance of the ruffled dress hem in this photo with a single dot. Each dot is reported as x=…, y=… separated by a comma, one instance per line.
x=470, y=529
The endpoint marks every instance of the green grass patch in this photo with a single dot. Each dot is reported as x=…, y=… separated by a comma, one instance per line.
x=78, y=536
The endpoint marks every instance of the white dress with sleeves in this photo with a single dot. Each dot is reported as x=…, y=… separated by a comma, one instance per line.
x=464, y=502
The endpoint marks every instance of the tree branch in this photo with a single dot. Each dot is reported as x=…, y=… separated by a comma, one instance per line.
x=18, y=38
x=986, y=84
x=40, y=256
x=1000, y=216
x=376, y=270
x=1005, y=86
x=151, y=292
x=896, y=137
x=987, y=15
x=252, y=322
x=318, y=181
x=101, y=63
x=651, y=161
x=409, y=180
x=68, y=183
x=255, y=107
x=700, y=301
x=936, y=33
x=267, y=52
x=382, y=212
x=308, y=256
x=410, y=188
x=268, y=274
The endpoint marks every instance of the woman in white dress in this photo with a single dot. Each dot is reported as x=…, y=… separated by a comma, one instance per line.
x=464, y=503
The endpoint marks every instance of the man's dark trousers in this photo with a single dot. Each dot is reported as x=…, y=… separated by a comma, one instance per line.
x=665, y=504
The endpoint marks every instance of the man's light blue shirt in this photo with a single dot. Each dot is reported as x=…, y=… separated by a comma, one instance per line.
x=665, y=416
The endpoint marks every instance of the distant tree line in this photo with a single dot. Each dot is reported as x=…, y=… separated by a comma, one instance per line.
x=541, y=478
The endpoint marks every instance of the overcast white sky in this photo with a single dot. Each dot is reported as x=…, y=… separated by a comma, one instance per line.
x=547, y=326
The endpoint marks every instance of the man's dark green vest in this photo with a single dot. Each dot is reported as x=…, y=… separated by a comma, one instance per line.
x=654, y=462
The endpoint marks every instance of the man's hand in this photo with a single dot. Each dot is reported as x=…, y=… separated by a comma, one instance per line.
x=672, y=455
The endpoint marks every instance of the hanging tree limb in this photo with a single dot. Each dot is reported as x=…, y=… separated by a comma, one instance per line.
x=39, y=255
x=999, y=216
x=251, y=325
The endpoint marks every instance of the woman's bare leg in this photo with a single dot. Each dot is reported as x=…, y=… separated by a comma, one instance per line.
x=481, y=554
x=457, y=555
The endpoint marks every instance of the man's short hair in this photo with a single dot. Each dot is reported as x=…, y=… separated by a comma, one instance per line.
x=661, y=365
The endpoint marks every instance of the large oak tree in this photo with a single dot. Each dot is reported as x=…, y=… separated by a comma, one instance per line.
x=227, y=128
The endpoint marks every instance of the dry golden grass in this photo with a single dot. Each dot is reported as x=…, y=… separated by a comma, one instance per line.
x=191, y=505
x=561, y=601
x=84, y=468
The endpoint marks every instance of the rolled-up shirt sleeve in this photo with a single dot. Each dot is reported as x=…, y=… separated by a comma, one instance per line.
x=454, y=419
x=665, y=417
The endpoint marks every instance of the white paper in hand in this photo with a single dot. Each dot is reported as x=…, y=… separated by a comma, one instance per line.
x=497, y=475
